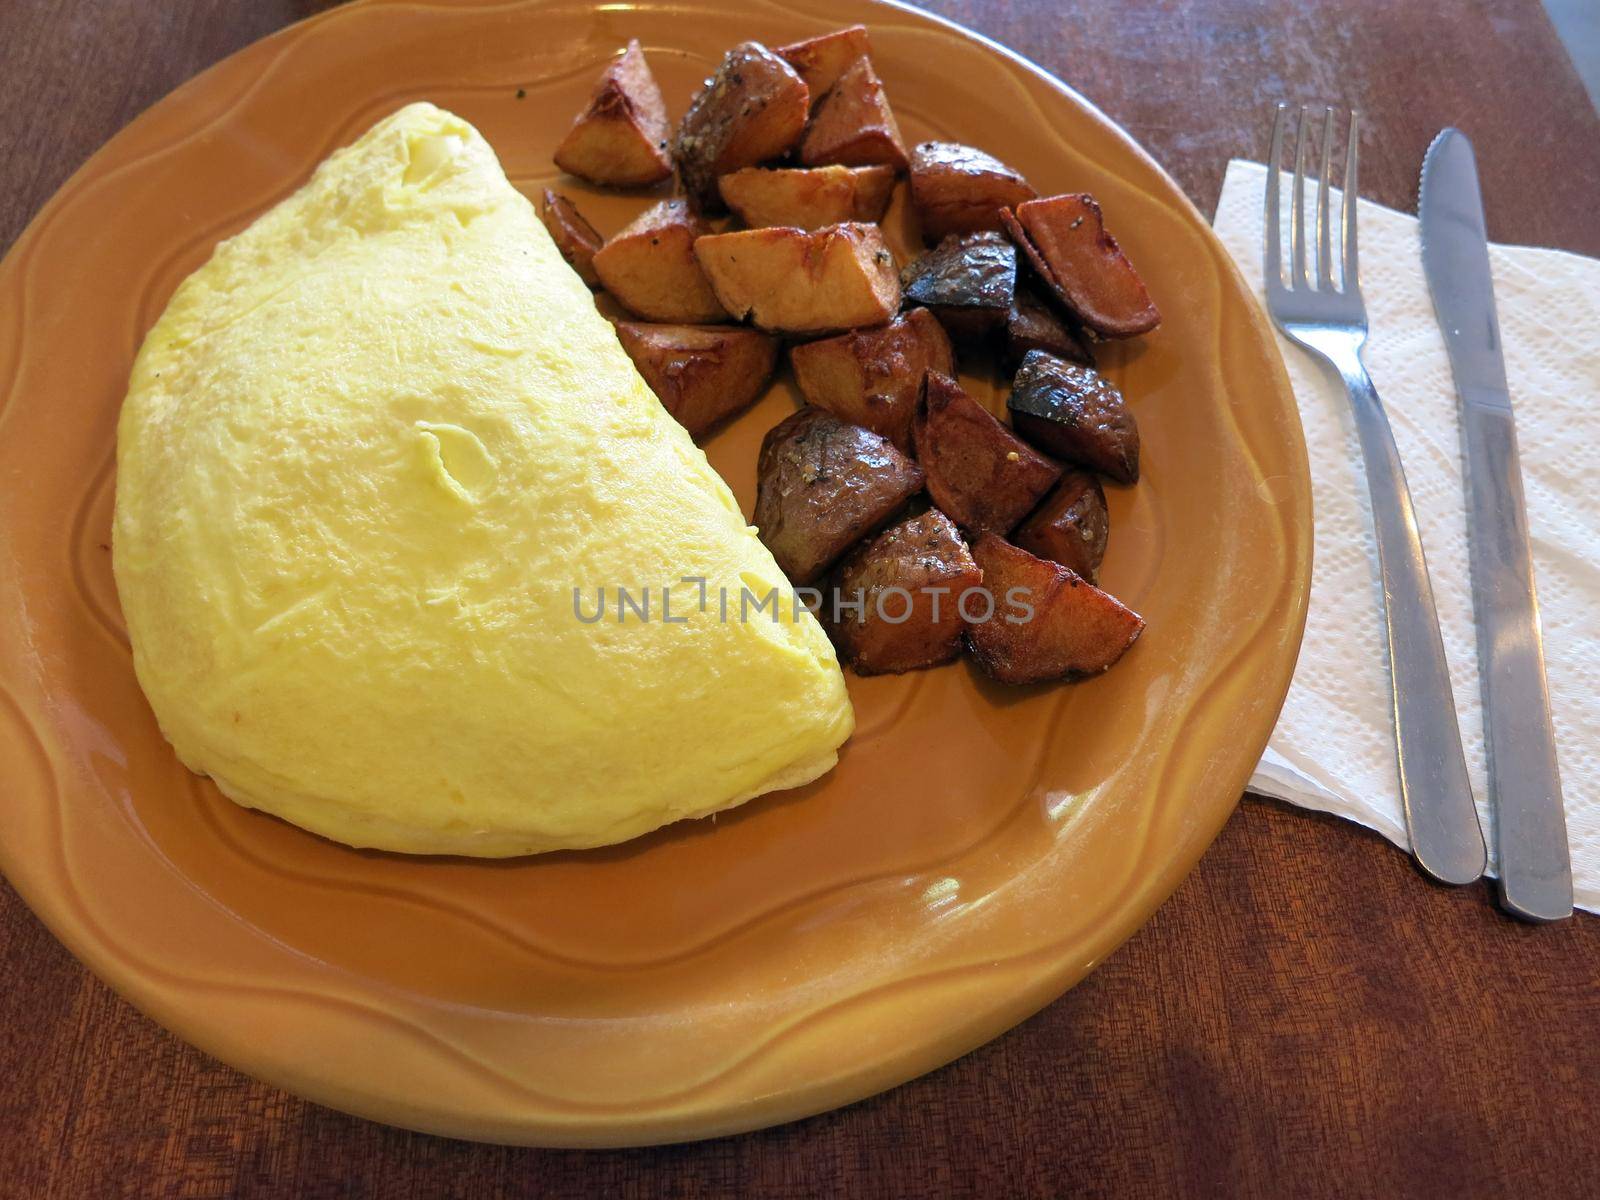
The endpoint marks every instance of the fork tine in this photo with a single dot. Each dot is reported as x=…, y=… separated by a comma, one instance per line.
x=1273, y=261
x=1352, y=273
x=1297, y=218
x=1324, y=185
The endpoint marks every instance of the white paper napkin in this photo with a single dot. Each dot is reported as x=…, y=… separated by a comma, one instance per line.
x=1333, y=748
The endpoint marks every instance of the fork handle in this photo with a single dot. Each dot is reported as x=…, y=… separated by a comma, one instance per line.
x=1446, y=839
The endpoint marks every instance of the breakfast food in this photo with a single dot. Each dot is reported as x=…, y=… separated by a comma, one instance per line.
x=1071, y=526
x=376, y=460
x=651, y=268
x=1067, y=243
x=1075, y=413
x=574, y=236
x=753, y=109
x=960, y=189
x=821, y=60
x=702, y=374
x=968, y=281
x=1031, y=324
x=621, y=138
x=807, y=198
x=853, y=124
x=791, y=281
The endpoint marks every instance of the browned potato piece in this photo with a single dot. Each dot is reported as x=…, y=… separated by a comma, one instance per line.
x=960, y=189
x=878, y=630
x=967, y=280
x=791, y=281
x=854, y=124
x=1076, y=413
x=1071, y=526
x=822, y=59
x=807, y=198
x=621, y=138
x=701, y=373
x=1069, y=246
x=978, y=471
x=574, y=237
x=1074, y=628
x=754, y=108
x=651, y=268
x=822, y=486
x=872, y=377
x=1032, y=325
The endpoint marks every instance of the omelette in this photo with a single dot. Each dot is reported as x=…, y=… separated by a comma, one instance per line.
x=383, y=476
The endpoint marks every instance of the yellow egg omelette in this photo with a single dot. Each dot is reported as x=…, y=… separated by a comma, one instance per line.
x=380, y=465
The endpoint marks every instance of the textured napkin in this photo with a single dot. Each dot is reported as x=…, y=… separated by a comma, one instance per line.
x=1333, y=748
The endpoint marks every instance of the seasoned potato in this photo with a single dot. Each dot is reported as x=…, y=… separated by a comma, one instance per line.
x=967, y=280
x=1067, y=243
x=791, y=281
x=978, y=471
x=807, y=198
x=872, y=377
x=1070, y=527
x=574, y=237
x=960, y=189
x=621, y=138
x=701, y=373
x=1075, y=413
x=754, y=108
x=822, y=486
x=651, y=268
x=1074, y=628
x=879, y=631
x=1032, y=325
x=854, y=124
x=822, y=59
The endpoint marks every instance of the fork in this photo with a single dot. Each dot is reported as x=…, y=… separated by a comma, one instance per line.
x=1329, y=318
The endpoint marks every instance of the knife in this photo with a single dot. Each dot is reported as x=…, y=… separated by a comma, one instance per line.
x=1524, y=780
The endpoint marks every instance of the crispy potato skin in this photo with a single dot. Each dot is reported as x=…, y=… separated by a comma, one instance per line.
x=702, y=374
x=651, y=268
x=754, y=108
x=822, y=486
x=1075, y=629
x=620, y=139
x=574, y=237
x=967, y=281
x=978, y=471
x=920, y=553
x=1067, y=243
x=1033, y=325
x=790, y=281
x=1075, y=413
x=854, y=124
x=822, y=59
x=1070, y=527
x=807, y=198
x=959, y=189
x=873, y=377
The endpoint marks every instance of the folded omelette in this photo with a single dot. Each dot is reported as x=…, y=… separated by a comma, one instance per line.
x=369, y=454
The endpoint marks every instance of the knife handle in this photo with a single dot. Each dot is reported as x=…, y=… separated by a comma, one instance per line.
x=1524, y=778
x=1446, y=839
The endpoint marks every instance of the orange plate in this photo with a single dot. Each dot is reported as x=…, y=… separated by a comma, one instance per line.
x=976, y=852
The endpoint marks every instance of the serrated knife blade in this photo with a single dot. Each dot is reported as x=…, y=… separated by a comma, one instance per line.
x=1524, y=779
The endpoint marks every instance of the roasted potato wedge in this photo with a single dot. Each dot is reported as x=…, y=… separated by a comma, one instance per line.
x=620, y=139
x=822, y=59
x=1067, y=243
x=1075, y=413
x=978, y=471
x=1070, y=527
x=879, y=630
x=1073, y=628
x=822, y=486
x=960, y=189
x=872, y=377
x=854, y=124
x=651, y=268
x=967, y=281
x=807, y=198
x=702, y=374
x=1034, y=325
x=790, y=281
x=754, y=108
x=574, y=237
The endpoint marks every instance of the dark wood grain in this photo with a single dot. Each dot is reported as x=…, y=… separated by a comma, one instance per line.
x=1305, y=1016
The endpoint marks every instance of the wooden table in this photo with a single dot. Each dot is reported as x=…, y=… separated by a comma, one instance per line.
x=1305, y=1016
